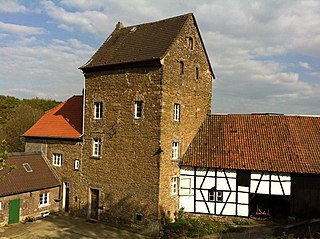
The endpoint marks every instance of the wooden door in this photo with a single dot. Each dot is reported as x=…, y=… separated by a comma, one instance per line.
x=94, y=212
x=14, y=211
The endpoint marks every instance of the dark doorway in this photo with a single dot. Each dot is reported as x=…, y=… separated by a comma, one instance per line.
x=274, y=206
x=94, y=208
x=66, y=196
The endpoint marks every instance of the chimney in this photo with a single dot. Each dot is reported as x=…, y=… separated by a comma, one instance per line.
x=119, y=26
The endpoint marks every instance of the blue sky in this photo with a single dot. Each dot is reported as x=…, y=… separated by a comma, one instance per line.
x=265, y=54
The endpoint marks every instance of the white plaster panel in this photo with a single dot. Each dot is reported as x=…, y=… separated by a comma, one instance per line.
x=285, y=177
x=243, y=198
x=230, y=209
x=201, y=171
x=231, y=173
x=186, y=202
x=211, y=173
x=276, y=188
x=243, y=189
x=232, y=197
x=220, y=173
x=211, y=207
x=256, y=175
x=219, y=207
x=243, y=210
x=266, y=176
x=233, y=183
x=253, y=186
x=208, y=183
x=186, y=170
x=222, y=184
x=263, y=187
x=201, y=207
x=286, y=188
x=274, y=177
x=199, y=196
x=199, y=181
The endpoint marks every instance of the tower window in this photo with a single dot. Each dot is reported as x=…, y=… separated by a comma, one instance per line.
x=76, y=165
x=176, y=112
x=138, y=109
x=57, y=160
x=98, y=110
x=175, y=150
x=174, y=185
x=190, y=43
x=96, y=148
x=181, y=67
x=197, y=73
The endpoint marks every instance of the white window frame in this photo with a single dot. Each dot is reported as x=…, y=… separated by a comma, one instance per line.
x=44, y=199
x=98, y=110
x=96, y=147
x=57, y=159
x=174, y=185
x=176, y=112
x=138, y=106
x=76, y=164
x=185, y=186
x=0, y=205
x=175, y=150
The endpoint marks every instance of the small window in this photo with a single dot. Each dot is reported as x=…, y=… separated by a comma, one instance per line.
x=185, y=186
x=139, y=217
x=174, y=185
x=176, y=112
x=96, y=148
x=138, y=109
x=197, y=73
x=98, y=110
x=44, y=199
x=190, y=43
x=76, y=165
x=57, y=160
x=27, y=167
x=175, y=150
x=215, y=195
x=0, y=205
x=181, y=67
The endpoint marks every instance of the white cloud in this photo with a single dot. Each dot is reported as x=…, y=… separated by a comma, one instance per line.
x=304, y=65
x=20, y=29
x=11, y=7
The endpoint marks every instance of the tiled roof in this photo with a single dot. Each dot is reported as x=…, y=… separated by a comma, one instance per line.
x=63, y=121
x=19, y=180
x=257, y=142
x=139, y=43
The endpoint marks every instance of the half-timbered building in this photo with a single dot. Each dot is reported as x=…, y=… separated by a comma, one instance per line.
x=262, y=165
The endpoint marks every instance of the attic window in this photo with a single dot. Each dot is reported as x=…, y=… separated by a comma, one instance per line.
x=27, y=167
x=133, y=29
x=190, y=43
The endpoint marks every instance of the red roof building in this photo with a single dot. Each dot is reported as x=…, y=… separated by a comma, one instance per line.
x=63, y=121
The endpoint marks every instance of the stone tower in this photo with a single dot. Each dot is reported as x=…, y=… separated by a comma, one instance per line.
x=147, y=90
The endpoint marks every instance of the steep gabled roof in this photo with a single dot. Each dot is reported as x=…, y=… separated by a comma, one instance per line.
x=63, y=121
x=139, y=43
x=257, y=142
x=20, y=180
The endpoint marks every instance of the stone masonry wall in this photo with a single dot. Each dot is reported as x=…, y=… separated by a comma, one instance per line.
x=127, y=173
x=194, y=97
x=29, y=204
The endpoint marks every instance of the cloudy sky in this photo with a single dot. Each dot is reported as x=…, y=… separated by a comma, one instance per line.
x=265, y=54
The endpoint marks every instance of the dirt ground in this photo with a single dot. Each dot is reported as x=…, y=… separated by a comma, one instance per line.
x=61, y=226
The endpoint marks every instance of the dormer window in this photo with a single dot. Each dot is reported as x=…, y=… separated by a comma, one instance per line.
x=181, y=67
x=190, y=43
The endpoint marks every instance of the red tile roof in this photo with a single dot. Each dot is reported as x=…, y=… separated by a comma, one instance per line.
x=257, y=142
x=63, y=121
x=139, y=43
x=20, y=181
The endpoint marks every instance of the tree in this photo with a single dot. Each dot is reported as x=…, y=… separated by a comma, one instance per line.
x=4, y=167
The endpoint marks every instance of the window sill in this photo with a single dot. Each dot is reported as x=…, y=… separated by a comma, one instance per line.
x=96, y=157
x=44, y=205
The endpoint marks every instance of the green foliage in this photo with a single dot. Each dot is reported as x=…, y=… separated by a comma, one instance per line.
x=17, y=116
x=241, y=221
x=4, y=167
x=190, y=227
